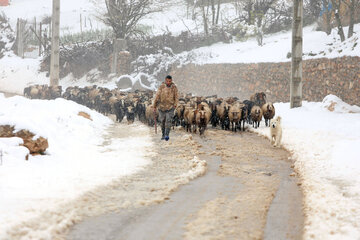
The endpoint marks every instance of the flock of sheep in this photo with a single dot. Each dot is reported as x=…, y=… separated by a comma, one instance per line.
x=193, y=113
x=229, y=113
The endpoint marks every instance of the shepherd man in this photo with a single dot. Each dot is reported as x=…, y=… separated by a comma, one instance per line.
x=167, y=98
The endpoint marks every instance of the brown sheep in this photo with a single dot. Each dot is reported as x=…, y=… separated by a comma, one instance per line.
x=203, y=117
x=93, y=93
x=55, y=92
x=179, y=113
x=256, y=116
x=235, y=115
x=34, y=92
x=150, y=114
x=268, y=110
x=258, y=98
x=222, y=112
x=190, y=118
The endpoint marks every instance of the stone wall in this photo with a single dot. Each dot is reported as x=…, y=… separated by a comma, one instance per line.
x=338, y=76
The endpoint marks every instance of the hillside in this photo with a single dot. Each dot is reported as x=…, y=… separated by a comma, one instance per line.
x=174, y=18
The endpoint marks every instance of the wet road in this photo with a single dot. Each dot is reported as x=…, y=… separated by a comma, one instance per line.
x=247, y=193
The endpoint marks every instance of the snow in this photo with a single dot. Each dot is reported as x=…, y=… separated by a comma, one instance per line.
x=17, y=73
x=69, y=13
x=76, y=161
x=323, y=137
x=277, y=46
x=325, y=149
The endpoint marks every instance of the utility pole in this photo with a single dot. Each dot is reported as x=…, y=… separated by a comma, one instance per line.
x=296, y=55
x=55, y=42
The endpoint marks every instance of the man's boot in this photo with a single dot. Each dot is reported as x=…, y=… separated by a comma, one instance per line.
x=163, y=133
x=167, y=132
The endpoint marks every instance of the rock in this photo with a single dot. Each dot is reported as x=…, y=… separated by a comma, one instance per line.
x=37, y=146
x=6, y=131
x=85, y=115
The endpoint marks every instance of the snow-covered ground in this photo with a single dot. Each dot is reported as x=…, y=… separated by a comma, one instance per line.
x=324, y=139
x=69, y=18
x=277, y=46
x=77, y=160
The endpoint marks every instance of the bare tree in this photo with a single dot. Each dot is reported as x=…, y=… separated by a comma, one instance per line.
x=205, y=20
x=352, y=6
x=312, y=10
x=205, y=5
x=254, y=13
x=337, y=6
x=124, y=15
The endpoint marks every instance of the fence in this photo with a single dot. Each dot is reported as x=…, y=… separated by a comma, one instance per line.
x=35, y=35
x=32, y=36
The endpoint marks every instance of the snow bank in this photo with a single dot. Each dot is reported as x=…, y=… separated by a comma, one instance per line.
x=325, y=148
x=77, y=161
x=335, y=104
x=17, y=73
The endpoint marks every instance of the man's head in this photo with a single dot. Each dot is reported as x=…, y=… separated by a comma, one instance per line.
x=168, y=80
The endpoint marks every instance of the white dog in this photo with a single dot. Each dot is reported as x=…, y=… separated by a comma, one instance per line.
x=275, y=131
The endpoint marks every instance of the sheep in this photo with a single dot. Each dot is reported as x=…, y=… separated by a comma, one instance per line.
x=35, y=92
x=190, y=118
x=258, y=98
x=213, y=107
x=140, y=110
x=203, y=117
x=118, y=110
x=244, y=115
x=256, y=115
x=151, y=115
x=223, y=115
x=55, y=92
x=130, y=114
x=249, y=104
x=179, y=114
x=235, y=115
x=135, y=105
x=268, y=112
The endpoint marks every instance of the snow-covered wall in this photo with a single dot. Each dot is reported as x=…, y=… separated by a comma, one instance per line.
x=338, y=76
